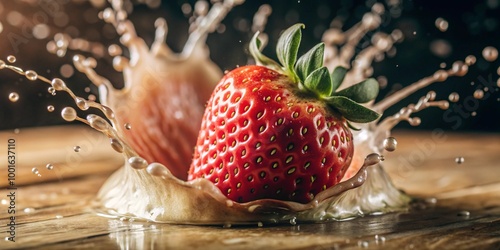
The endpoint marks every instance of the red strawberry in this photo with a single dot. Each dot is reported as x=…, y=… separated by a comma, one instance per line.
x=280, y=133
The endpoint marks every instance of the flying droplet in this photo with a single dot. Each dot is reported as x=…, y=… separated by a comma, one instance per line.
x=51, y=90
x=68, y=114
x=11, y=59
x=67, y=70
x=470, y=60
x=50, y=108
x=77, y=148
x=49, y=166
x=490, y=53
x=114, y=50
x=464, y=213
x=441, y=24
x=13, y=97
x=478, y=94
x=459, y=160
x=390, y=144
x=454, y=97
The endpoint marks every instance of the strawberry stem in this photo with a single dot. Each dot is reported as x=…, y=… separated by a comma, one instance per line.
x=311, y=76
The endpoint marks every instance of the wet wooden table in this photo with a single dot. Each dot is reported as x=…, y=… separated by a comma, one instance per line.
x=51, y=210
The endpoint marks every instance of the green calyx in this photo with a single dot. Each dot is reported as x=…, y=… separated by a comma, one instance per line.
x=312, y=77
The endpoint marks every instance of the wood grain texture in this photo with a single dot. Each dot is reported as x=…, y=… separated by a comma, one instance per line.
x=58, y=214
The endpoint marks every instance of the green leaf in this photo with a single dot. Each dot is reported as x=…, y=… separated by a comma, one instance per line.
x=338, y=75
x=288, y=47
x=261, y=59
x=319, y=82
x=310, y=61
x=351, y=110
x=362, y=92
x=352, y=127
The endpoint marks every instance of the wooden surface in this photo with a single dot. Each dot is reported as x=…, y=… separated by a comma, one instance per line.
x=53, y=210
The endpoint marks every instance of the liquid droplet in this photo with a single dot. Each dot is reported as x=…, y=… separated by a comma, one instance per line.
x=460, y=68
x=459, y=160
x=478, y=94
x=114, y=50
x=51, y=90
x=13, y=97
x=49, y=166
x=2, y=64
x=77, y=148
x=58, y=84
x=137, y=162
x=464, y=213
x=293, y=221
x=50, y=108
x=379, y=239
x=363, y=244
x=415, y=121
x=470, y=60
x=390, y=144
x=373, y=159
x=29, y=210
x=156, y=169
x=81, y=103
x=17, y=131
x=128, y=126
x=441, y=24
x=35, y=171
x=59, y=216
x=31, y=75
x=98, y=123
x=11, y=59
x=68, y=114
x=116, y=145
x=454, y=97
x=440, y=75
x=490, y=53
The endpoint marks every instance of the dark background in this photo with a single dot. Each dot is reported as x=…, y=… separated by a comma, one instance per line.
x=472, y=26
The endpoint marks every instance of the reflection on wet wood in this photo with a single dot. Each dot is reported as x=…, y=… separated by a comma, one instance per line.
x=35, y=148
x=57, y=214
